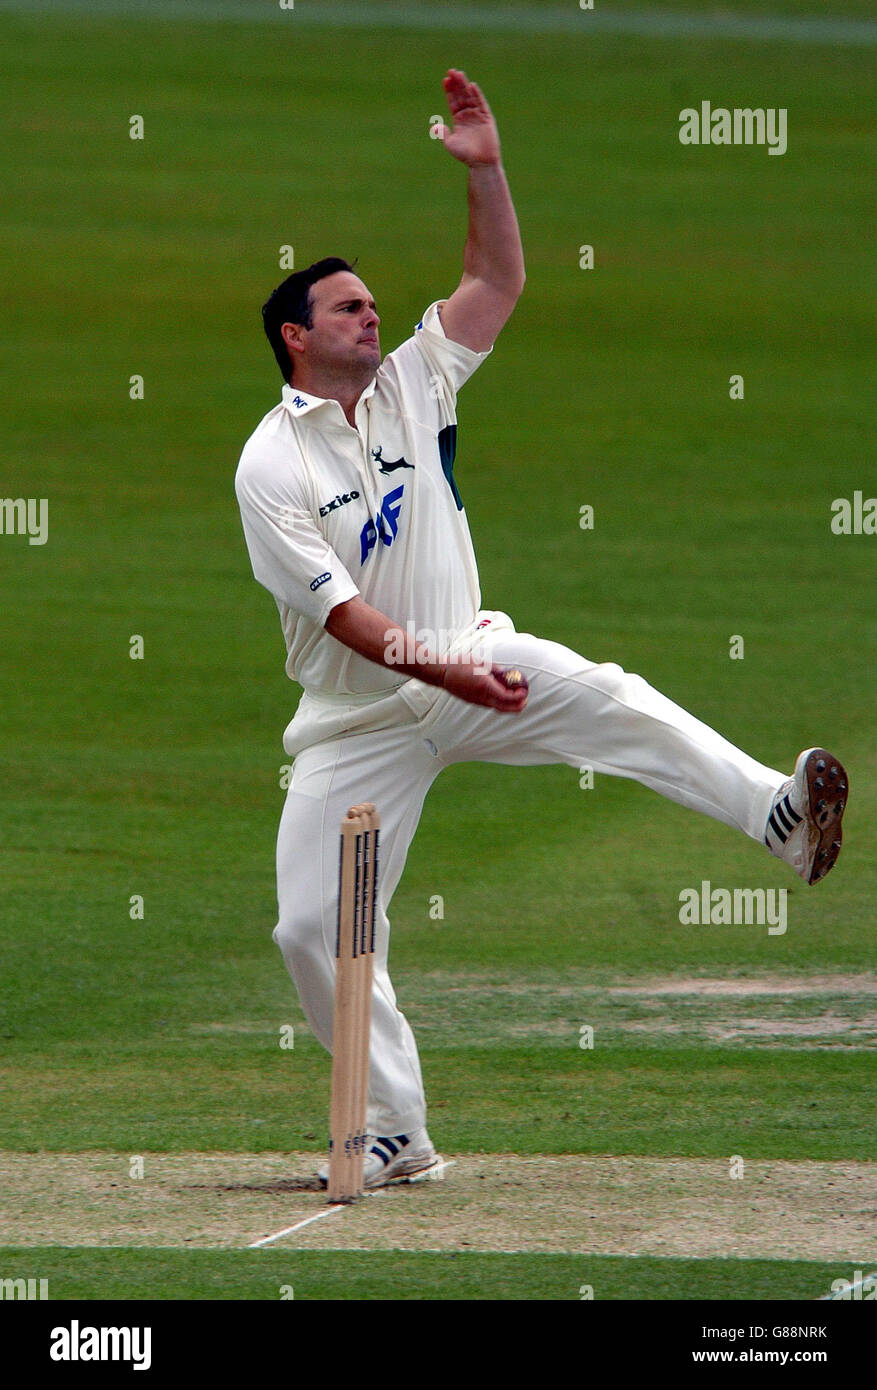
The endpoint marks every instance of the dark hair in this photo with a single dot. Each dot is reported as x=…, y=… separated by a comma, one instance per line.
x=291, y=303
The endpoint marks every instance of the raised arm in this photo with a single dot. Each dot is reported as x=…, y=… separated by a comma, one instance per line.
x=493, y=261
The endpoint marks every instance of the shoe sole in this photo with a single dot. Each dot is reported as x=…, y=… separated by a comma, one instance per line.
x=396, y=1172
x=400, y=1172
x=827, y=787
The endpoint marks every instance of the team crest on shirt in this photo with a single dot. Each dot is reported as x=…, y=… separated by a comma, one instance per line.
x=388, y=466
x=385, y=526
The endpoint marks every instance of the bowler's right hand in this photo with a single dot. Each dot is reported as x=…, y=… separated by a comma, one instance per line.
x=469, y=680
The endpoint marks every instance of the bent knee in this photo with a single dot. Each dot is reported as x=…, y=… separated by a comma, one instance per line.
x=614, y=680
x=300, y=938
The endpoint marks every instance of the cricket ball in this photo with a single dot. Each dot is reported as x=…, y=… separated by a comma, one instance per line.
x=513, y=679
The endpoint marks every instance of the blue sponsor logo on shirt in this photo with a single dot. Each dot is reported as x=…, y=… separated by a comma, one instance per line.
x=320, y=579
x=385, y=526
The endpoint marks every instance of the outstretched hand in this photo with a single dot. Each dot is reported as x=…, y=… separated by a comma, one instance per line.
x=474, y=138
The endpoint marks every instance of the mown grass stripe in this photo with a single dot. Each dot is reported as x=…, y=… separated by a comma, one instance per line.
x=195, y=1274
x=505, y=19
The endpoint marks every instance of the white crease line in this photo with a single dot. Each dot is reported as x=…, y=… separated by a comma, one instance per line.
x=428, y=1175
x=297, y=1227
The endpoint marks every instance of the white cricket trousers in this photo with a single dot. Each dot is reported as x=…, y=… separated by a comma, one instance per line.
x=578, y=713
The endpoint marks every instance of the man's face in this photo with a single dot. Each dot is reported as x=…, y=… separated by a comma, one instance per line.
x=343, y=335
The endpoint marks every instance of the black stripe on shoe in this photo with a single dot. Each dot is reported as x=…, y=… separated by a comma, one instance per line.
x=784, y=813
x=774, y=825
x=387, y=1149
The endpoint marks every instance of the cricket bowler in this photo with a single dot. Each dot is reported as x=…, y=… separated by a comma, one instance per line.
x=354, y=523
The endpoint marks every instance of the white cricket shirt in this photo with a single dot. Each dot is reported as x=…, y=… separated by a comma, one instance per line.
x=330, y=511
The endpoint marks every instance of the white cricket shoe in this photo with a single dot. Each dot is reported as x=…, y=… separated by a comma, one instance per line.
x=804, y=825
x=392, y=1157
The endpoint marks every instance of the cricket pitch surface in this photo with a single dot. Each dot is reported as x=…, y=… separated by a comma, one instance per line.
x=479, y=1202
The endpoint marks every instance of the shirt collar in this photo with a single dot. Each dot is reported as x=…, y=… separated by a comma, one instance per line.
x=302, y=403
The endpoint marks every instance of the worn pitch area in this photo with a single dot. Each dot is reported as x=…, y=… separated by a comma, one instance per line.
x=487, y=1202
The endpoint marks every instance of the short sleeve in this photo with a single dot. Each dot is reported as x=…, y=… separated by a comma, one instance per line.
x=451, y=362
x=288, y=552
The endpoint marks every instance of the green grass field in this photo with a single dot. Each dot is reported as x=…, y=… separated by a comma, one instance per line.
x=160, y=777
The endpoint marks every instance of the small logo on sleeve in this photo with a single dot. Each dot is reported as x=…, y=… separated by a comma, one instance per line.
x=320, y=579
